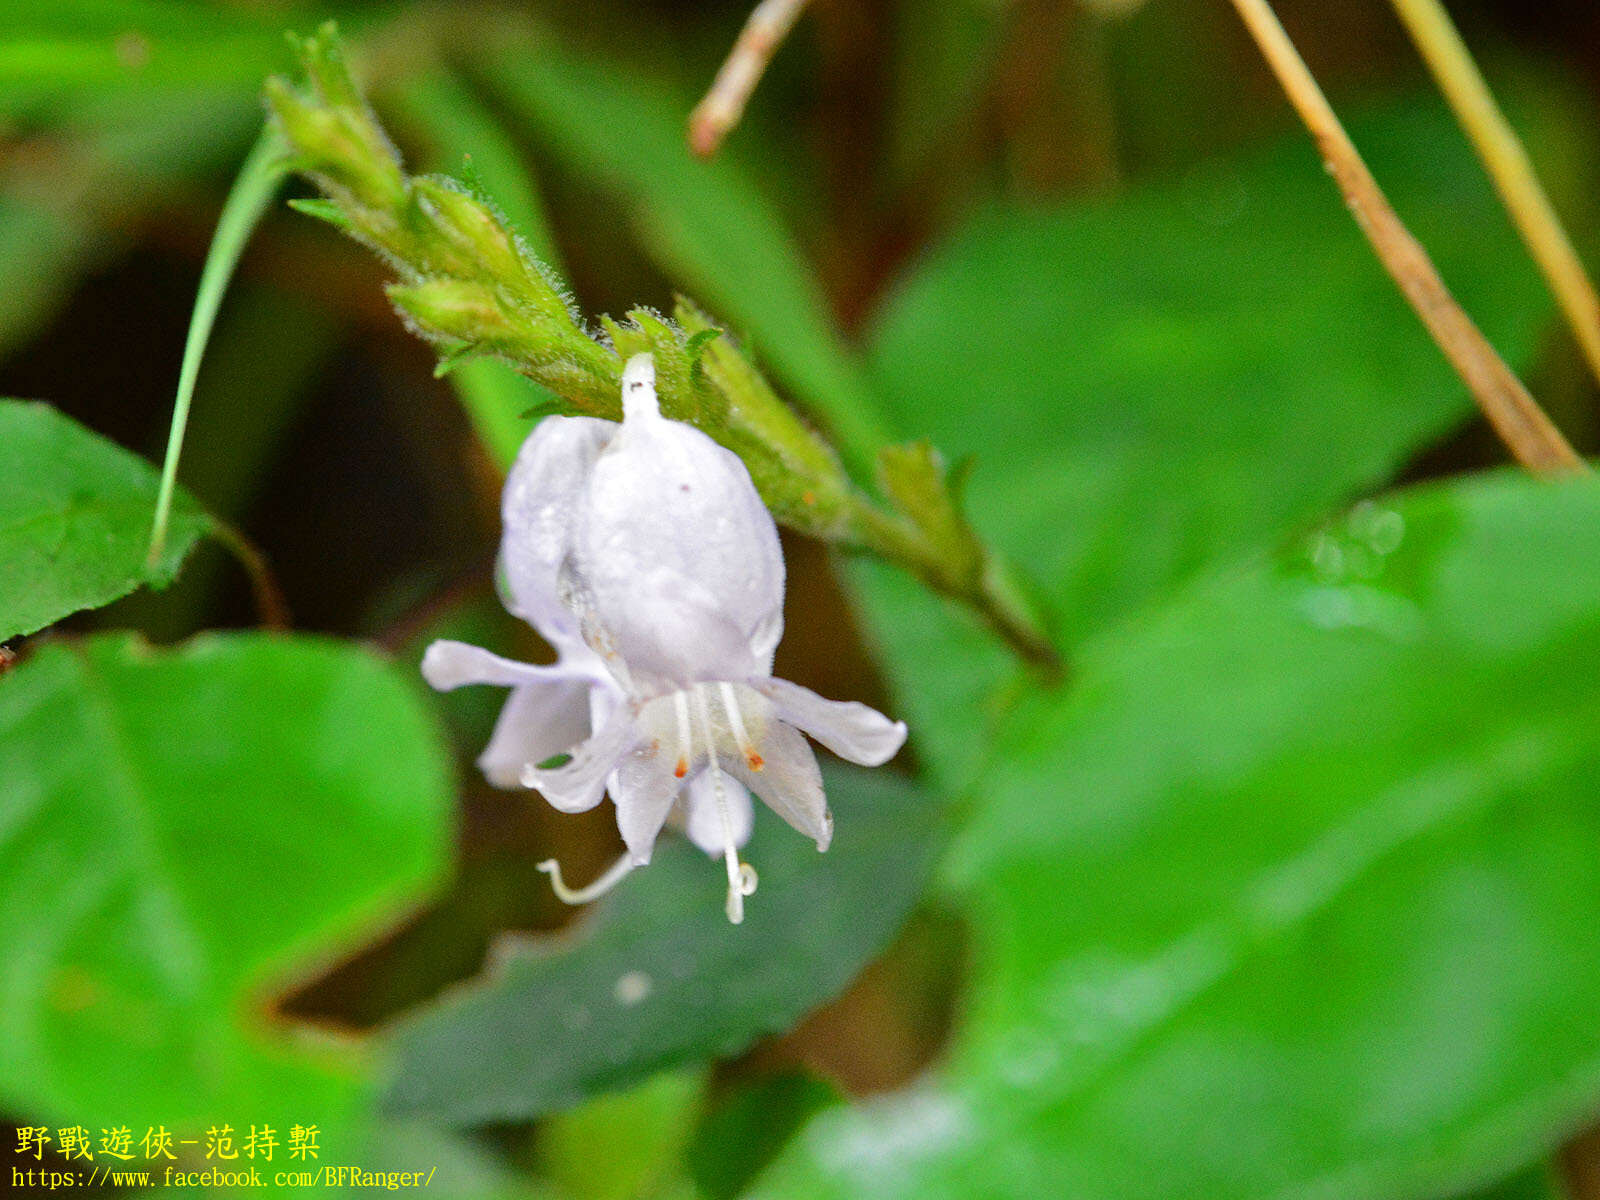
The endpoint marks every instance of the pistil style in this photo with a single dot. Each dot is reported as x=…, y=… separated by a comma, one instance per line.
x=613, y=876
x=741, y=880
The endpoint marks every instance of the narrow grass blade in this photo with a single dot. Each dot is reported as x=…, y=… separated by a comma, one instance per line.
x=257, y=183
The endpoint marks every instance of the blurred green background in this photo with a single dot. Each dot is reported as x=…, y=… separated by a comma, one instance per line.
x=1289, y=890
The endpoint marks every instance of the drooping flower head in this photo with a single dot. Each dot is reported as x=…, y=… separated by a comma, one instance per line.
x=644, y=555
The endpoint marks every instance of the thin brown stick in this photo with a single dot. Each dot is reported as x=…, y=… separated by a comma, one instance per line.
x=272, y=610
x=422, y=616
x=1516, y=417
x=1507, y=162
x=719, y=112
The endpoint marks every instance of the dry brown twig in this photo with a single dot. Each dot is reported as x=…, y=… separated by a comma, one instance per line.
x=1516, y=417
x=272, y=610
x=1507, y=162
x=719, y=112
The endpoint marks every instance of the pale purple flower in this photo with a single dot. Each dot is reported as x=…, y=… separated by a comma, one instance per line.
x=644, y=556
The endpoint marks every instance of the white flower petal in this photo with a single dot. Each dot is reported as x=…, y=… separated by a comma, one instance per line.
x=538, y=509
x=537, y=722
x=703, y=814
x=788, y=782
x=644, y=787
x=578, y=786
x=676, y=555
x=448, y=665
x=851, y=730
x=643, y=634
x=604, y=699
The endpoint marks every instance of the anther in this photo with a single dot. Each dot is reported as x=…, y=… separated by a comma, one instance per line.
x=736, y=723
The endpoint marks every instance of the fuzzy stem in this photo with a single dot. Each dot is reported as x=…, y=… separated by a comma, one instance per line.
x=469, y=285
x=991, y=590
x=1517, y=419
x=1506, y=160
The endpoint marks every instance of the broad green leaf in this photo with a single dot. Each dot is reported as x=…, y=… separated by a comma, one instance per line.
x=709, y=226
x=1178, y=376
x=58, y=56
x=952, y=683
x=111, y=160
x=75, y=519
x=456, y=1167
x=659, y=978
x=180, y=832
x=740, y=1134
x=623, y=1145
x=31, y=235
x=111, y=19
x=944, y=54
x=1293, y=893
x=1541, y=1182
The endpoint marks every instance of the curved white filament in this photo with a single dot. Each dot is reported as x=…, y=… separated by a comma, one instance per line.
x=613, y=876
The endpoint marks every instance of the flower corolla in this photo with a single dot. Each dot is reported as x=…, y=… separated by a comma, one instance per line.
x=642, y=553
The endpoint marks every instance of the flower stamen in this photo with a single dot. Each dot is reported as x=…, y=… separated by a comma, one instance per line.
x=736, y=722
x=741, y=878
x=680, y=705
x=583, y=895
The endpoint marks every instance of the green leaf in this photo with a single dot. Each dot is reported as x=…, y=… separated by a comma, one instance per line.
x=75, y=519
x=1541, y=1182
x=1179, y=377
x=623, y=1145
x=456, y=1167
x=179, y=832
x=659, y=978
x=951, y=683
x=58, y=53
x=944, y=54
x=1293, y=893
x=322, y=210
x=111, y=160
x=707, y=224
x=744, y=1132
